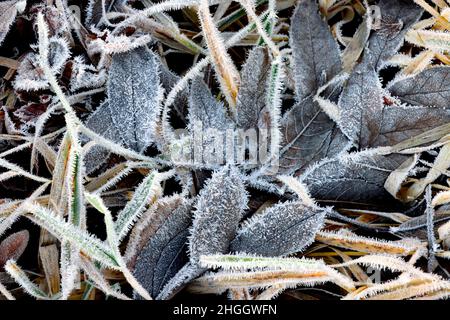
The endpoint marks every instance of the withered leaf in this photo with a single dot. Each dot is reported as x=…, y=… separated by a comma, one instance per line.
x=219, y=208
x=13, y=246
x=369, y=122
x=417, y=226
x=30, y=75
x=355, y=177
x=165, y=252
x=316, y=54
x=399, y=123
x=280, y=230
x=251, y=97
x=360, y=105
x=397, y=16
x=430, y=87
x=308, y=135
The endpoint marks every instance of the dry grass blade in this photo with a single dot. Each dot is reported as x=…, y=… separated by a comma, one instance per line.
x=348, y=240
x=227, y=73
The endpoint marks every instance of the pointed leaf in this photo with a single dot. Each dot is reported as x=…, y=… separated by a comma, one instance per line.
x=308, y=136
x=283, y=229
x=360, y=105
x=219, y=208
x=252, y=92
x=134, y=94
x=203, y=107
x=13, y=246
x=147, y=189
x=430, y=87
x=316, y=54
x=165, y=252
x=356, y=177
x=397, y=16
x=8, y=13
x=366, y=118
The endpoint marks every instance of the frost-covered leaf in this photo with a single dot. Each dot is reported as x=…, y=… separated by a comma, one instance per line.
x=183, y=277
x=129, y=115
x=417, y=226
x=430, y=87
x=21, y=278
x=118, y=44
x=94, y=10
x=150, y=222
x=204, y=108
x=165, y=252
x=134, y=94
x=58, y=53
x=168, y=80
x=227, y=75
x=308, y=136
x=360, y=105
x=248, y=271
x=281, y=230
x=30, y=75
x=251, y=97
x=81, y=239
x=13, y=246
x=316, y=54
x=354, y=177
x=366, y=118
x=85, y=76
x=8, y=13
x=145, y=193
x=100, y=121
x=397, y=16
x=208, y=120
x=219, y=208
x=351, y=241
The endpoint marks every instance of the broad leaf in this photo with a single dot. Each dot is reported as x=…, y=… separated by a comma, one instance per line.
x=308, y=136
x=100, y=122
x=361, y=105
x=134, y=94
x=369, y=122
x=355, y=177
x=316, y=54
x=219, y=208
x=166, y=251
x=430, y=87
x=150, y=222
x=129, y=115
x=204, y=108
x=397, y=16
x=283, y=229
x=252, y=92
